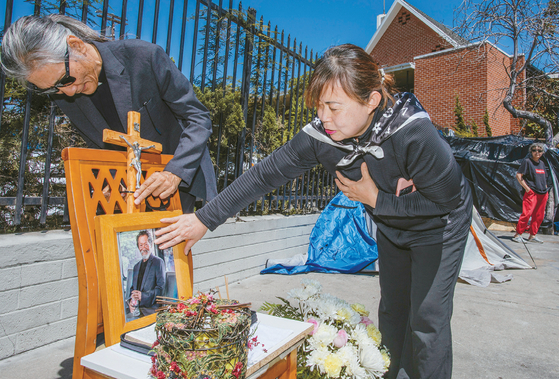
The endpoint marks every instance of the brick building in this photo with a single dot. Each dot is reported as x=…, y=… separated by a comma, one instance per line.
x=436, y=64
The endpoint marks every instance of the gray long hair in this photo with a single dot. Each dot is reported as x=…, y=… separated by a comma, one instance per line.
x=32, y=42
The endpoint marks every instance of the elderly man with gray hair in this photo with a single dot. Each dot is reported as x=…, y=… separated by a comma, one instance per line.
x=532, y=176
x=96, y=82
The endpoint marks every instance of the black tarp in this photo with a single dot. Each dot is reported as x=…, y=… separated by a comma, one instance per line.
x=490, y=165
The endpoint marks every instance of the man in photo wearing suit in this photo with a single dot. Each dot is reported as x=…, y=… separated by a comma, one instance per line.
x=96, y=82
x=148, y=279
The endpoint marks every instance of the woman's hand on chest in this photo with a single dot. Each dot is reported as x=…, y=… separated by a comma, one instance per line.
x=363, y=190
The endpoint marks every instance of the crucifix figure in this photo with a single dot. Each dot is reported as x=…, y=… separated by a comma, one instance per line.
x=136, y=162
x=135, y=145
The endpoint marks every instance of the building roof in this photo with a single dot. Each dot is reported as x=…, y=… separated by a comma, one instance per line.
x=446, y=33
x=445, y=29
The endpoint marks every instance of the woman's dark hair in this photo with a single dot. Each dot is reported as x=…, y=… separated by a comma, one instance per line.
x=356, y=72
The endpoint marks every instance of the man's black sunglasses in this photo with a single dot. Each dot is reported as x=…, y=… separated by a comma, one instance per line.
x=66, y=80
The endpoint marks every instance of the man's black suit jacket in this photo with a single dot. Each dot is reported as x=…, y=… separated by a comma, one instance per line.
x=153, y=283
x=143, y=78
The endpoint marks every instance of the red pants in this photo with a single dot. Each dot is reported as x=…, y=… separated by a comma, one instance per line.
x=533, y=205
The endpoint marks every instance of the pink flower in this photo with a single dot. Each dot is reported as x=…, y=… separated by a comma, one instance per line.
x=153, y=370
x=365, y=320
x=315, y=323
x=341, y=339
x=237, y=370
x=212, y=308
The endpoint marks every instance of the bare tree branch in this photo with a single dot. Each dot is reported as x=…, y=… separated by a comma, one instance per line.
x=527, y=29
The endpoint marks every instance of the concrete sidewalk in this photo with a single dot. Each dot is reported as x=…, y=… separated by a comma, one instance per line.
x=503, y=331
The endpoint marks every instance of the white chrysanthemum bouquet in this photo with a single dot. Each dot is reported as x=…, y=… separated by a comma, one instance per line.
x=344, y=342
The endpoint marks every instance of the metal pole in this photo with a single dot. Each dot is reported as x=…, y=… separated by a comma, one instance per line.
x=104, y=17
x=23, y=160
x=227, y=45
x=291, y=90
x=216, y=47
x=282, y=188
x=195, y=41
x=36, y=10
x=140, y=16
x=265, y=80
x=245, y=89
x=273, y=68
x=46, y=180
x=297, y=94
x=255, y=101
x=226, y=168
x=237, y=42
x=283, y=115
x=123, y=19
x=155, y=22
x=62, y=7
x=7, y=23
x=224, y=85
x=85, y=9
x=170, y=27
x=206, y=42
x=183, y=33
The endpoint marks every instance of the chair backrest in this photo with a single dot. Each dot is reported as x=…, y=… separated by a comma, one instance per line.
x=93, y=185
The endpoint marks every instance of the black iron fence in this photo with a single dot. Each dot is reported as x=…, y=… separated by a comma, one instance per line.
x=251, y=77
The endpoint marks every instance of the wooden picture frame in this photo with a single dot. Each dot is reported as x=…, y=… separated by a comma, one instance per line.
x=114, y=281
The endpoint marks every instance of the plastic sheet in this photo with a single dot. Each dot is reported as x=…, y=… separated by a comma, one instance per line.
x=490, y=164
x=339, y=241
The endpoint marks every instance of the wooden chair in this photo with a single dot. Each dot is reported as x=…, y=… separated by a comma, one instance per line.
x=88, y=173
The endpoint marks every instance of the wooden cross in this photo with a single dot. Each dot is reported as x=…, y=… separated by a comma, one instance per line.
x=134, y=146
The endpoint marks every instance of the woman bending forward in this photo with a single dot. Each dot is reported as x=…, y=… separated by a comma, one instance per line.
x=385, y=153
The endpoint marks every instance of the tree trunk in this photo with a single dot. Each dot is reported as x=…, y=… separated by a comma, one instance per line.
x=534, y=117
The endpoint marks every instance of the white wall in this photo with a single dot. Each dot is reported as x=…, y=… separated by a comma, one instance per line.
x=38, y=290
x=39, y=284
x=240, y=249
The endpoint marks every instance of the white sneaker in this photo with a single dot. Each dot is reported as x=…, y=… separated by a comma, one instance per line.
x=535, y=240
x=518, y=239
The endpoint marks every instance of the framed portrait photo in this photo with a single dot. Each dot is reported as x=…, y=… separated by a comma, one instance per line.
x=133, y=271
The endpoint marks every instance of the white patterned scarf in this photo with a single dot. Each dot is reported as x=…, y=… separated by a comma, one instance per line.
x=385, y=124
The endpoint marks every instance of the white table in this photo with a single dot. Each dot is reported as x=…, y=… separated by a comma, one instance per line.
x=280, y=360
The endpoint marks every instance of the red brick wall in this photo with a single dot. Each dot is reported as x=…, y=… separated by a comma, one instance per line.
x=439, y=78
x=477, y=76
x=500, y=119
x=405, y=38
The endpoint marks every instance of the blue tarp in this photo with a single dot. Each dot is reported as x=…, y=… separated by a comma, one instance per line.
x=339, y=241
